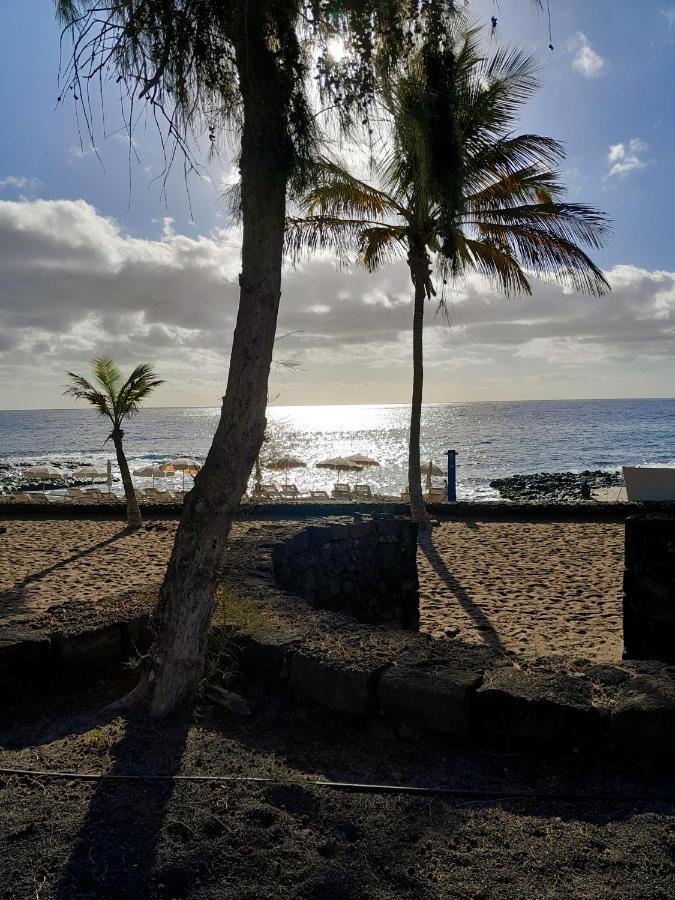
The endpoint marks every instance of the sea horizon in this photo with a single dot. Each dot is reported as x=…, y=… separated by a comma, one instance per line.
x=373, y=403
x=492, y=439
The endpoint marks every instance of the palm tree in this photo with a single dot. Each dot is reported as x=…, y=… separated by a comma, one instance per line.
x=117, y=400
x=455, y=188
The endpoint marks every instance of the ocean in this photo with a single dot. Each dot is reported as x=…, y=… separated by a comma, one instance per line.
x=492, y=440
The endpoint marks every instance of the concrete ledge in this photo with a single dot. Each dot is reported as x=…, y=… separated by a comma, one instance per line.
x=316, y=509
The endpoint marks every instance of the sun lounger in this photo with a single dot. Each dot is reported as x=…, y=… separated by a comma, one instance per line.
x=405, y=495
x=362, y=492
x=269, y=492
x=436, y=495
x=319, y=495
x=21, y=497
x=290, y=492
x=98, y=496
x=37, y=498
x=74, y=493
x=162, y=496
x=342, y=492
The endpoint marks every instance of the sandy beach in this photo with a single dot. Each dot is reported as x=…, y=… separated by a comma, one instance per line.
x=532, y=588
x=536, y=588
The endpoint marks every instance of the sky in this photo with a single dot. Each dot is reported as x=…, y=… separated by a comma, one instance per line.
x=98, y=256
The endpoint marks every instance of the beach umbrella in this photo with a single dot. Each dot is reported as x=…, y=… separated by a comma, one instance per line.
x=153, y=472
x=362, y=460
x=108, y=474
x=182, y=464
x=339, y=464
x=431, y=470
x=90, y=472
x=43, y=474
x=284, y=463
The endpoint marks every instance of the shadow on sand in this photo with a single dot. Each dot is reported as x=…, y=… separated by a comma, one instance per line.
x=481, y=621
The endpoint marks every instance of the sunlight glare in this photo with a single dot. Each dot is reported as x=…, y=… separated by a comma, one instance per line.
x=336, y=49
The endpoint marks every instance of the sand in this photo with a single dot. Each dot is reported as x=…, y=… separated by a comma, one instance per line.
x=532, y=588
x=46, y=563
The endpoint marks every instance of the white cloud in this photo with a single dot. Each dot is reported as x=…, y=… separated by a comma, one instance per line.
x=81, y=152
x=73, y=284
x=626, y=157
x=669, y=15
x=21, y=183
x=586, y=60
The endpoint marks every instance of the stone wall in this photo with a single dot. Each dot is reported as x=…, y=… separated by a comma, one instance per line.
x=649, y=588
x=367, y=570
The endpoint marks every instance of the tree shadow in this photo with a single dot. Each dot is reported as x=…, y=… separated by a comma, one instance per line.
x=15, y=592
x=114, y=851
x=481, y=621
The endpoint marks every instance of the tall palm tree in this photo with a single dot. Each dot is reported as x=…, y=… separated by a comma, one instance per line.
x=455, y=190
x=117, y=400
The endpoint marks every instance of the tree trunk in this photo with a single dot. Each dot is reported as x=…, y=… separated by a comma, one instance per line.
x=134, y=519
x=419, y=270
x=183, y=615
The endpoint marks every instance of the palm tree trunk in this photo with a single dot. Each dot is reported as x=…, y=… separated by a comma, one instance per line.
x=419, y=270
x=183, y=615
x=134, y=519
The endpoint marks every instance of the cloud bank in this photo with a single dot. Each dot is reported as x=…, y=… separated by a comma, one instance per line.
x=73, y=284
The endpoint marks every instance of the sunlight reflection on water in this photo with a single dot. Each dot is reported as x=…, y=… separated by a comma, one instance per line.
x=491, y=439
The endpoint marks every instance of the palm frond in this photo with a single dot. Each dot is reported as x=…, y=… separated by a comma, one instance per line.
x=138, y=386
x=381, y=244
x=81, y=389
x=335, y=192
x=315, y=233
x=548, y=254
x=496, y=264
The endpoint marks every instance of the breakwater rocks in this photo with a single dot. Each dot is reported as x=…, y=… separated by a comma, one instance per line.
x=554, y=485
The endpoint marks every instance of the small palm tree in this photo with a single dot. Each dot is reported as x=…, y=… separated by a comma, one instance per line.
x=117, y=400
x=456, y=188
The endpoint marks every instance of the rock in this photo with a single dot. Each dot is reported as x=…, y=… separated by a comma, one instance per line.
x=540, y=707
x=264, y=652
x=345, y=685
x=91, y=647
x=553, y=486
x=435, y=693
x=643, y=716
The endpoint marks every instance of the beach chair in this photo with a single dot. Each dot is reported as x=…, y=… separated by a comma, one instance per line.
x=290, y=492
x=362, y=492
x=270, y=492
x=39, y=499
x=21, y=497
x=97, y=496
x=74, y=493
x=405, y=495
x=162, y=497
x=341, y=492
x=319, y=495
x=436, y=495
